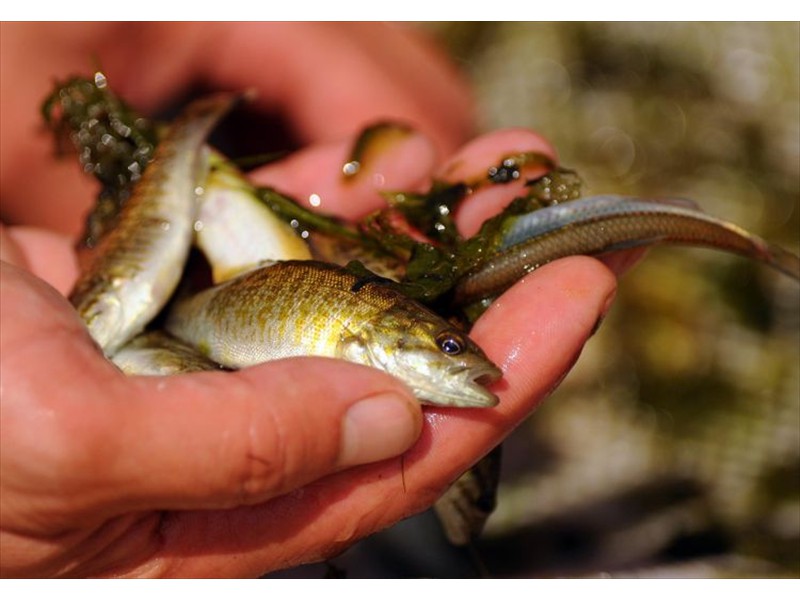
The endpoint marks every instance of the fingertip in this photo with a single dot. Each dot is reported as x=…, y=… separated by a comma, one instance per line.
x=379, y=427
x=532, y=156
x=476, y=156
x=47, y=254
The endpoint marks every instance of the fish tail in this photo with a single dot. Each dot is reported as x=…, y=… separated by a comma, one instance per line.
x=784, y=261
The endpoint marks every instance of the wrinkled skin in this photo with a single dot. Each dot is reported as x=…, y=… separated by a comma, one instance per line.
x=231, y=474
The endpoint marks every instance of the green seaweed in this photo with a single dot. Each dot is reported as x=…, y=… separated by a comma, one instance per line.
x=511, y=167
x=370, y=142
x=112, y=141
x=301, y=218
x=557, y=185
x=432, y=213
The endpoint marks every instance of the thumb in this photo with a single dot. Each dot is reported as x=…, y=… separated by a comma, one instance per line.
x=217, y=440
x=78, y=437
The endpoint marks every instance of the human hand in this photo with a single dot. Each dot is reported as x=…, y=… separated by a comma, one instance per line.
x=326, y=79
x=199, y=475
x=237, y=474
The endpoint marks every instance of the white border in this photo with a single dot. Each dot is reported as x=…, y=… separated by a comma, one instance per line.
x=413, y=10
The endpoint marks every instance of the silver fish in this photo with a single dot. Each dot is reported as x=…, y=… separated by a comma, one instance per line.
x=137, y=265
x=603, y=224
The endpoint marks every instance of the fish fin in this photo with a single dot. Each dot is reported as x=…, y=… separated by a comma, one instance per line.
x=784, y=261
x=614, y=199
x=678, y=202
x=465, y=507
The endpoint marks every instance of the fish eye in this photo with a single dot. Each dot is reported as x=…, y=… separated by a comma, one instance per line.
x=450, y=343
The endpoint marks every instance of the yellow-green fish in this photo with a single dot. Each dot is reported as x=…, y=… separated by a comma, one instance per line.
x=309, y=308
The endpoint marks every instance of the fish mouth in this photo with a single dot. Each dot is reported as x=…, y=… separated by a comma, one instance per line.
x=464, y=388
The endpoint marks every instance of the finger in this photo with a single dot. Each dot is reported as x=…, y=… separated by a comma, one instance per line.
x=38, y=189
x=332, y=79
x=472, y=163
x=535, y=332
x=315, y=175
x=218, y=440
x=47, y=254
x=10, y=251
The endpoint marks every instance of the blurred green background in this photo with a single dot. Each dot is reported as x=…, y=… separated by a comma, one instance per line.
x=673, y=448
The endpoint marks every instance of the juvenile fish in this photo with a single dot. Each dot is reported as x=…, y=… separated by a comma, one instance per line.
x=137, y=265
x=235, y=230
x=604, y=224
x=157, y=353
x=308, y=308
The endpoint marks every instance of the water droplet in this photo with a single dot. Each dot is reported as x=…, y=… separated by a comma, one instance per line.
x=198, y=225
x=294, y=223
x=199, y=190
x=100, y=80
x=351, y=168
x=304, y=234
x=314, y=200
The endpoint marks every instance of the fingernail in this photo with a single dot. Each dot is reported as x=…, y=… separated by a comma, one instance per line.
x=377, y=428
x=609, y=301
x=392, y=157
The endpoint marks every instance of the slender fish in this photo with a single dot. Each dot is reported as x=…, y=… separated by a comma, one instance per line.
x=158, y=353
x=604, y=224
x=308, y=308
x=137, y=265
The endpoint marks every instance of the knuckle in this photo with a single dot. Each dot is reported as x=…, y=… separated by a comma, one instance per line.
x=262, y=469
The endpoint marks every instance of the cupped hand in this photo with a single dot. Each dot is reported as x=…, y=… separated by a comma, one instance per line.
x=238, y=474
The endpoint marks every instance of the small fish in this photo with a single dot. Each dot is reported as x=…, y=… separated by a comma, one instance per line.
x=603, y=224
x=137, y=265
x=235, y=230
x=467, y=504
x=158, y=353
x=308, y=308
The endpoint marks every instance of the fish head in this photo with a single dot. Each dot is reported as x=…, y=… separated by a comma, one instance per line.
x=441, y=365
